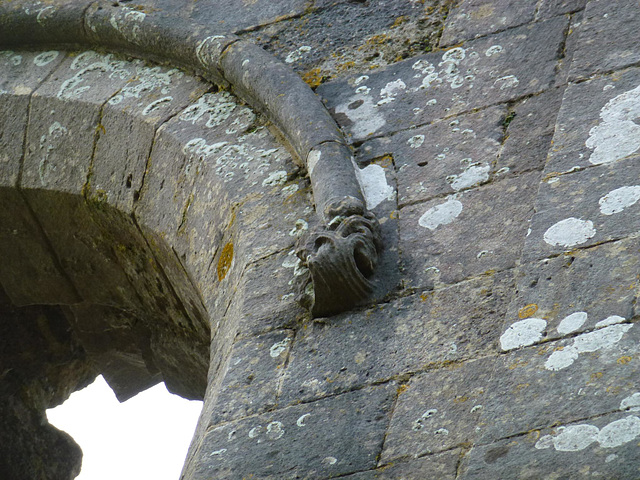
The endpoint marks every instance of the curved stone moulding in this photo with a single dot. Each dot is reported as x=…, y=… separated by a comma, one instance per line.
x=262, y=81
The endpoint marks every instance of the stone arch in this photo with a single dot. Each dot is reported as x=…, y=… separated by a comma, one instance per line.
x=118, y=218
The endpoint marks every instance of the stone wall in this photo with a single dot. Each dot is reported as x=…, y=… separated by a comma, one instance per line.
x=149, y=214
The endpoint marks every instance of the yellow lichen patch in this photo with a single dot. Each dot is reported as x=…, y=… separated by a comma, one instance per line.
x=528, y=311
x=224, y=263
x=521, y=386
x=402, y=389
x=313, y=77
x=623, y=360
x=425, y=296
x=399, y=21
x=461, y=399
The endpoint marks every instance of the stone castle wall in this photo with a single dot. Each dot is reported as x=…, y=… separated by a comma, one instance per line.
x=151, y=215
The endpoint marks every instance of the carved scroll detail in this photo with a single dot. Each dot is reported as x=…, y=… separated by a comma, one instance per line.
x=342, y=258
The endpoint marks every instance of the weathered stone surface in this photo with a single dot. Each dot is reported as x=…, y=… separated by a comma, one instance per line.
x=594, y=115
x=22, y=73
x=574, y=292
x=474, y=18
x=344, y=36
x=444, y=157
x=529, y=131
x=439, y=410
x=85, y=253
x=330, y=437
x=603, y=447
x=266, y=295
x=607, y=42
x=29, y=270
x=65, y=117
x=232, y=15
x=584, y=208
x=407, y=335
x=484, y=72
x=551, y=8
x=561, y=382
x=129, y=120
x=466, y=234
x=252, y=378
x=441, y=466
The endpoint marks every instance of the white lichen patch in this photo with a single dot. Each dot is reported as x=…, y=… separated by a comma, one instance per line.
x=416, y=141
x=329, y=461
x=523, y=333
x=617, y=200
x=275, y=178
x=509, y=81
x=631, y=403
x=569, y=232
x=361, y=110
x=611, y=320
x=156, y=104
x=297, y=54
x=572, y=322
x=91, y=62
x=146, y=80
x=279, y=348
x=275, y=430
x=216, y=108
x=617, y=135
x=578, y=437
x=389, y=92
x=586, y=343
x=11, y=58
x=45, y=58
x=442, y=214
x=299, y=229
x=302, y=419
x=49, y=142
x=375, y=188
x=218, y=452
x=474, y=174
x=493, y=50
x=205, y=50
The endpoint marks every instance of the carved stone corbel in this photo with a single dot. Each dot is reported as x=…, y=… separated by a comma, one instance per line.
x=342, y=254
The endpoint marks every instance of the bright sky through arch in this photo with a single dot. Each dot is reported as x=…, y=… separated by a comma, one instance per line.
x=145, y=437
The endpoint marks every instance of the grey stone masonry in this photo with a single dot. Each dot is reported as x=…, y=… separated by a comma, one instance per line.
x=161, y=176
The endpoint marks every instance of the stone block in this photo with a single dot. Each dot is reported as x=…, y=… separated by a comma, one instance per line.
x=85, y=253
x=563, y=381
x=439, y=410
x=606, y=38
x=603, y=447
x=471, y=233
x=29, y=270
x=442, y=466
x=266, y=295
x=252, y=378
x=529, y=131
x=584, y=208
x=22, y=74
x=65, y=119
x=442, y=158
x=551, y=8
x=331, y=437
x=484, y=72
x=129, y=121
x=407, y=335
x=237, y=15
x=341, y=37
x=595, y=124
x=475, y=18
x=573, y=293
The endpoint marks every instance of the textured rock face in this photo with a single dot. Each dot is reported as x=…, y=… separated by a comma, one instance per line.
x=150, y=222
